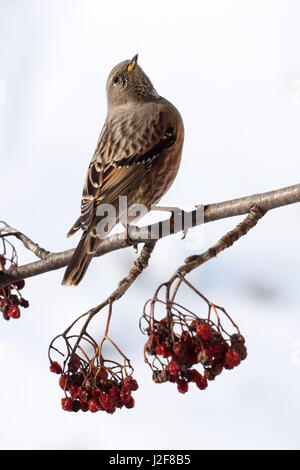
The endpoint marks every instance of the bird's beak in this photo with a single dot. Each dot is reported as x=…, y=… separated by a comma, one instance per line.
x=132, y=63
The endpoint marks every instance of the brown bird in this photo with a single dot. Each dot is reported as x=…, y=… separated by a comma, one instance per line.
x=137, y=155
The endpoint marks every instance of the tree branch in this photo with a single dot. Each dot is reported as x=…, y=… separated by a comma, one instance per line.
x=203, y=214
x=29, y=244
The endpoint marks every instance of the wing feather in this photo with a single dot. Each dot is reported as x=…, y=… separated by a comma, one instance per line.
x=127, y=149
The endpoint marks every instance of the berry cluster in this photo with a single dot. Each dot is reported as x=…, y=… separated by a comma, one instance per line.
x=180, y=341
x=10, y=298
x=91, y=388
x=90, y=381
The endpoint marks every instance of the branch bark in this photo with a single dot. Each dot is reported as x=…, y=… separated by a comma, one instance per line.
x=202, y=214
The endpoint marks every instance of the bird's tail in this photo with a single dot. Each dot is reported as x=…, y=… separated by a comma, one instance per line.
x=79, y=262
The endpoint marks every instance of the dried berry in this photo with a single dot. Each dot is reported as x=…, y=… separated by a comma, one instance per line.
x=232, y=359
x=130, y=384
x=24, y=303
x=63, y=382
x=19, y=284
x=160, y=376
x=75, y=406
x=93, y=405
x=74, y=364
x=67, y=404
x=55, y=368
x=204, y=357
x=84, y=406
x=204, y=331
x=14, y=311
x=182, y=386
x=162, y=350
x=182, y=340
x=129, y=403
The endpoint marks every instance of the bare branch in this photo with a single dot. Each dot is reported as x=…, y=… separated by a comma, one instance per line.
x=29, y=244
x=212, y=212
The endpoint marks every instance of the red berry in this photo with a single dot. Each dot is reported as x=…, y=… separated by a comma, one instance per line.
x=67, y=404
x=125, y=395
x=218, y=351
x=14, y=311
x=162, y=350
x=14, y=299
x=194, y=375
x=185, y=336
x=198, y=378
x=83, y=394
x=201, y=382
x=114, y=394
x=74, y=363
x=232, y=359
x=130, y=384
x=204, y=331
x=182, y=386
x=19, y=284
x=5, y=316
x=63, y=382
x=237, y=338
x=106, y=401
x=55, y=367
x=191, y=357
x=84, y=406
x=77, y=379
x=179, y=349
x=173, y=367
x=238, y=344
x=74, y=391
x=111, y=410
x=130, y=403
x=24, y=303
x=173, y=370
x=93, y=405
x=186, y=339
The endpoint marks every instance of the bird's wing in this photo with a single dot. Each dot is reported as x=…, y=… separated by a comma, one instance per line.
x=127, y=149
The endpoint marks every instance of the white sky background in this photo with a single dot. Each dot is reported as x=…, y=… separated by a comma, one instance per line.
x=233, y=70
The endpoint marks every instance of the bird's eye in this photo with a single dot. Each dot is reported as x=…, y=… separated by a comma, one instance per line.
x=115, y=80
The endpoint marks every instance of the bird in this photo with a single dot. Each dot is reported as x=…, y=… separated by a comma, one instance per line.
x=137, y=155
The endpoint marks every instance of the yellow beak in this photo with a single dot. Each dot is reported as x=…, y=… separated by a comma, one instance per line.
x=132, y=63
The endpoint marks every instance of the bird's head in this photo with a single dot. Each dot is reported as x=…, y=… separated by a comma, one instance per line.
x=128, y=83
